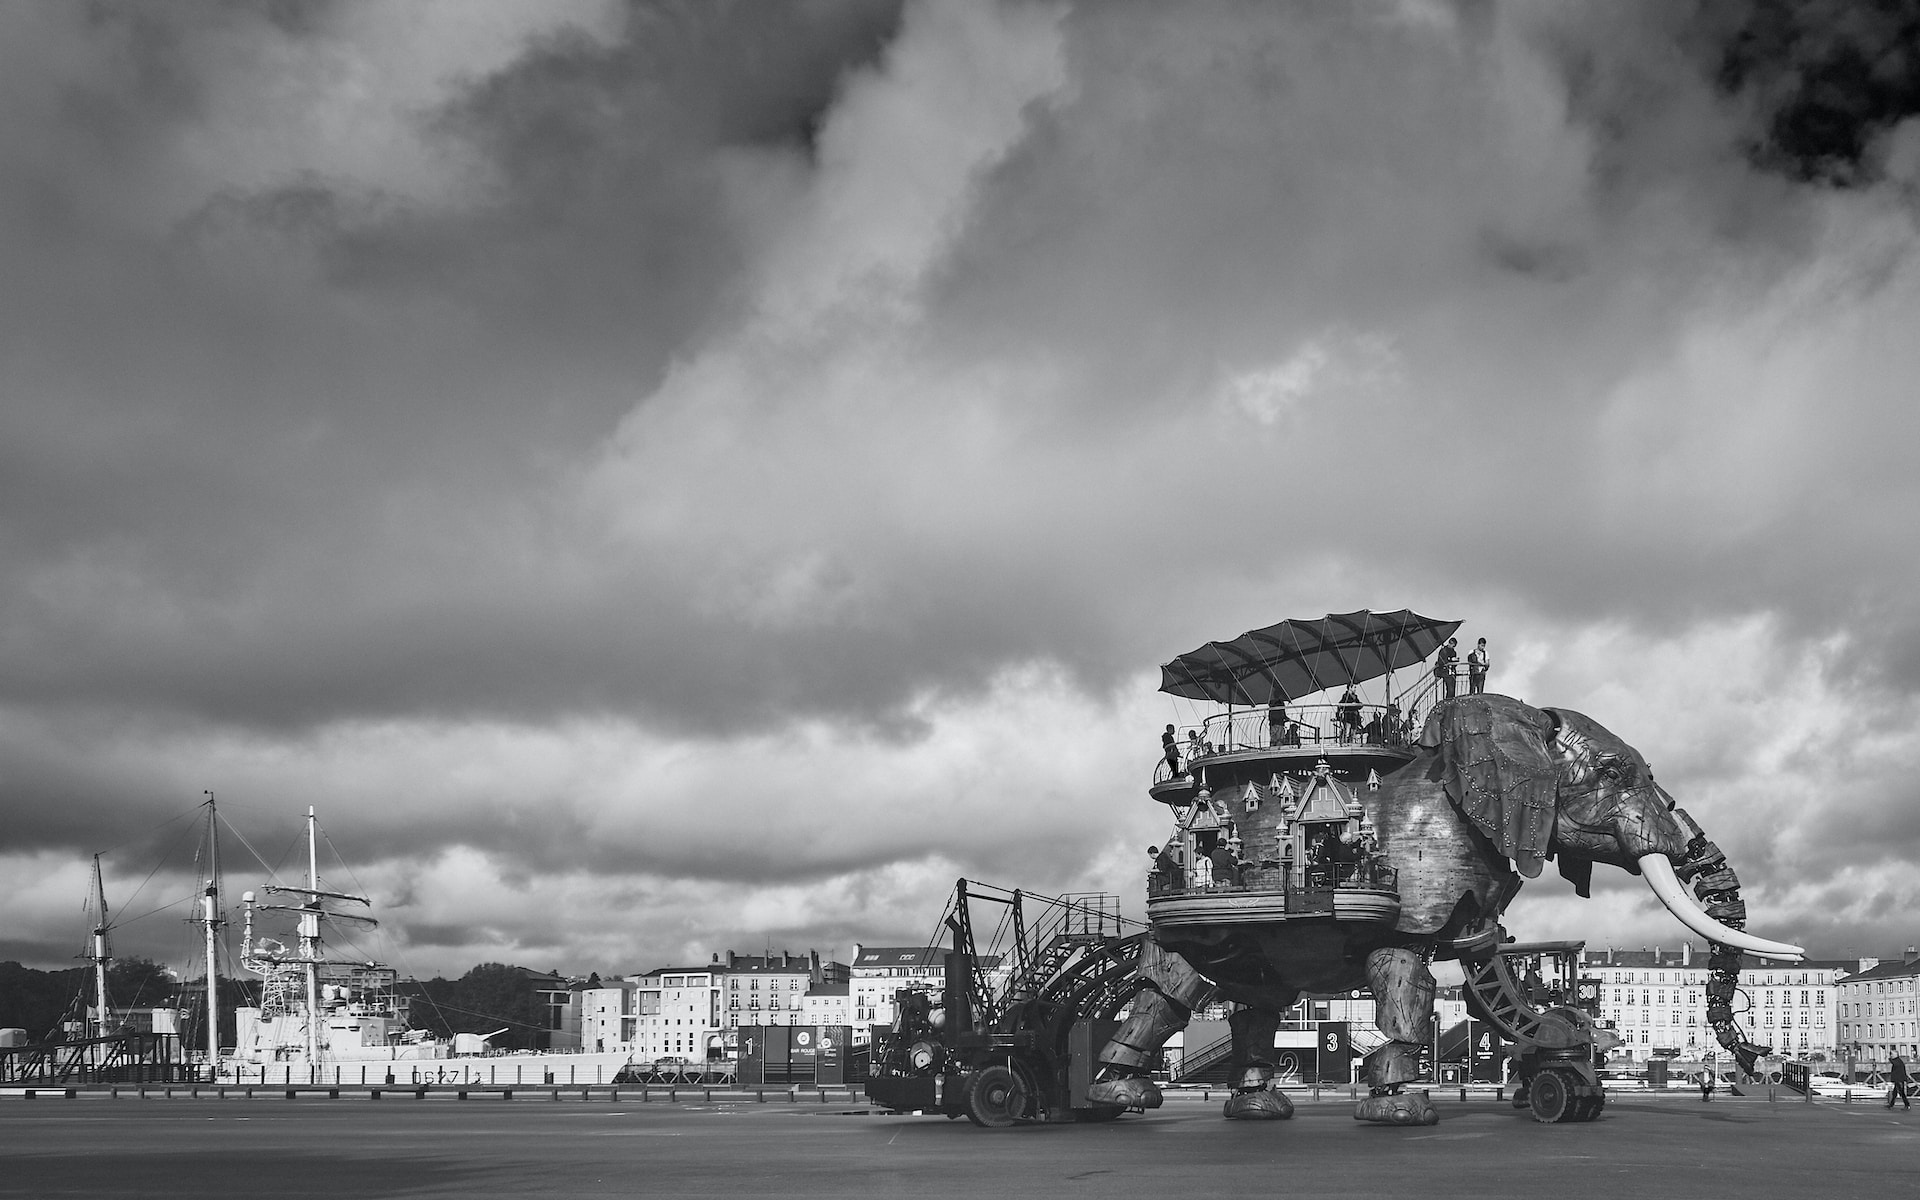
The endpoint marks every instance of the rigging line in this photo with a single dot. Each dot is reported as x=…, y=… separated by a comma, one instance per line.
x=158, y=863
x=344, y=866
x=142, y=835
x=467, y=1012
x=431, y=1002
x=153, y=911
x=242, y=839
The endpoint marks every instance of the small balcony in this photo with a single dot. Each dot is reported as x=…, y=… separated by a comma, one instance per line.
x=1360, y=892
x=1285, y=877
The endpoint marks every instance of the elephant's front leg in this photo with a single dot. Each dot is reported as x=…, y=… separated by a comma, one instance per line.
x=1254, y=1096
x=1170, y=989
x=1403, y=1008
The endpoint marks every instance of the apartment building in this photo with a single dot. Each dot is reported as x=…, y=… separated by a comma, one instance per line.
x=879, y=971
x=772, y=989
x=1877, y=1017
x=1656, y=1001
x=677, y=1013
x=607, y=1012
x=828, y=1004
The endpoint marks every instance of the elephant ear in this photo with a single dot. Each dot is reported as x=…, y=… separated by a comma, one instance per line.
x=1494, y=763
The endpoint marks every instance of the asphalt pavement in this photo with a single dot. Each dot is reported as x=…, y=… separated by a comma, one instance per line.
x=269, y=1146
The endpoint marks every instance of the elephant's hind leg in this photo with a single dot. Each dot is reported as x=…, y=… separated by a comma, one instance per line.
x=1403, y=1007
x=1170, y=989
x=1254, y=1096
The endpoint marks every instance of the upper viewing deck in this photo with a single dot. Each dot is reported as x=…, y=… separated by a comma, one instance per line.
x=1290, y=694
x=1358, y=735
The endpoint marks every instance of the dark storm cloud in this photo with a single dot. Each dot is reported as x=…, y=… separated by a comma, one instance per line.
x=205, y=433
x=1827, y=80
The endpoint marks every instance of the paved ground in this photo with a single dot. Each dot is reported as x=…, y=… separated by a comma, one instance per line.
x=354, y=1147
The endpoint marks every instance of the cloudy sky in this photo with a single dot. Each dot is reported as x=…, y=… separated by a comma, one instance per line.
x=662, y=478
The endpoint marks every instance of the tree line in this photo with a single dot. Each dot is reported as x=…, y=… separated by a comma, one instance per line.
x=489, y=997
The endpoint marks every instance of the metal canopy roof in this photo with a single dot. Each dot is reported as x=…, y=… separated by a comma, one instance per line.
x=1298, y=658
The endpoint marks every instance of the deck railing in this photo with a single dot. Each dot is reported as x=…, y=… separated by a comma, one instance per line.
x=1332, y=724
x=1277, y=878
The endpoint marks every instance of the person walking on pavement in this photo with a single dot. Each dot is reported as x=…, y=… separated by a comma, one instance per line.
x=1897, y=1072
x=1706, y=1085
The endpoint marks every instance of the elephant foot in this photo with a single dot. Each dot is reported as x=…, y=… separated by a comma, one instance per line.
x=1397, y=1108
x=1132, y=1091
x=1266, y=1104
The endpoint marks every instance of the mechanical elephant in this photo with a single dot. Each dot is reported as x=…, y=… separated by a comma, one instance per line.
x=1495, y=789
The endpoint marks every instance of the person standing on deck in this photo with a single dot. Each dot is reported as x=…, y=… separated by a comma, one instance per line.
x=1477, y=668
x=1443, y=667
x=1171, y=748
x=1346, y=714
x=1277, y=721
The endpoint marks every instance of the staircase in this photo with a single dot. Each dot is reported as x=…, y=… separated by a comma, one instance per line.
x=1069, y=927
x=1209, y=1065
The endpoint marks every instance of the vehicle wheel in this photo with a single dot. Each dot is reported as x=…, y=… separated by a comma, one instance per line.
x=1551, y=1098
x=995, y=1098
x=1520, y=1095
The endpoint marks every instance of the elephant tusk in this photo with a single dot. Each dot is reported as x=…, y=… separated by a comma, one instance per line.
x=1666, y=885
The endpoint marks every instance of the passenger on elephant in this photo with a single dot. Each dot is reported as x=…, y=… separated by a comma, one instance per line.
x=1346, y=714
x=1226, y=866
x=1277, y=721
x=1167, y=868
x=1320, y=860
x=1443, y=663
x=1170, y=746
x=1477, y=668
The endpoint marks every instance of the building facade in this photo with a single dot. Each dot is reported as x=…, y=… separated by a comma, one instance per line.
x=677, y=1014
x=828, y=1004
x=772, y=989
x=879, y=971
x=607, y=1016
x=1656, y=1002
x=1877, y=1017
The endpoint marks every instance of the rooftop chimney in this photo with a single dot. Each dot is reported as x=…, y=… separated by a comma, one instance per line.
x=1686, y=953
x=1912, y=955
x=729, y=958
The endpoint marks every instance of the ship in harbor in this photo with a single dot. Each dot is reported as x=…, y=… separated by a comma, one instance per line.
x=323, y=1018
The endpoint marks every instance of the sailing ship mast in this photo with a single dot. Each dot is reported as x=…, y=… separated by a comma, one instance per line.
x=269, y=958
x=210, y=921
x=310, y=938
x=100, y=956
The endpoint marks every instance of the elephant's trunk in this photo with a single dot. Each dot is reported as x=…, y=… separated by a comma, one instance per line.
x=1715, y=883
x=1666, y=885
